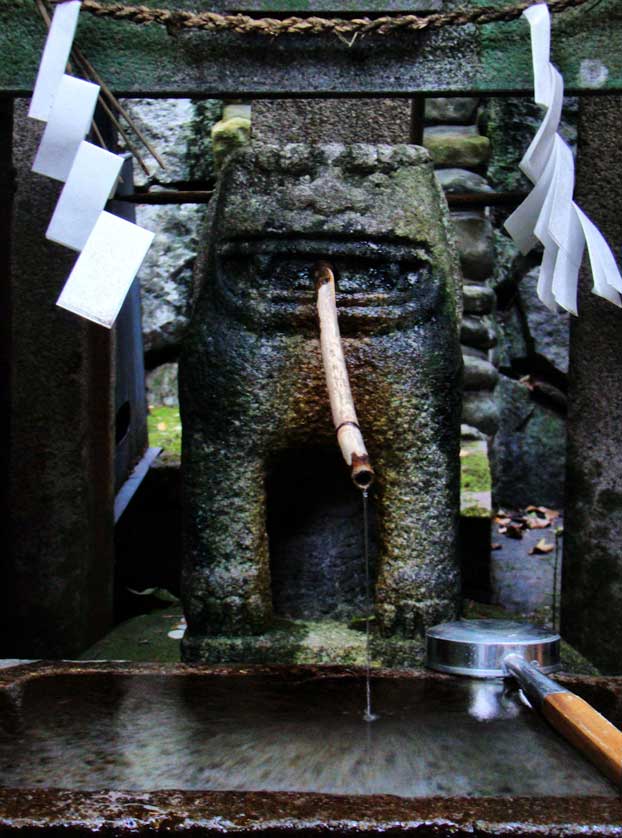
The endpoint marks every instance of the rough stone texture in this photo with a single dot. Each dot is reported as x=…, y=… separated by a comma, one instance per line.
x=179, y=131
x=592, y=581
x=548, y=334
x=456, y=110
x=479, y=374
x=474, y=239
x=457, y=146
x=166, y=273
x=480, y=410
x=165, y=124
x=511, y=343
x=477, y=332
x=332, y=120
x=528, y=451
x=459, y=181
x=162, y=385
x=511, y=124
x=252, y=383
x=57, y=555
x=478, y=299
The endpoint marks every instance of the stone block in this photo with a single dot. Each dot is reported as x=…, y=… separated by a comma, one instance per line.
x=529, y=450
x=461, y=181
x=457, y=146
x=454, y=110
x=480, y=410
x=592, y=578
x=477, y=332
x=56, y=573
x=478, y=299
x=479, y=374
x=474, y=237
x=332, y=120
x=548, y=334
x=166, y=273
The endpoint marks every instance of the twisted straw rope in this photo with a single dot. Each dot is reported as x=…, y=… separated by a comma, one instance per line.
x=176, y=19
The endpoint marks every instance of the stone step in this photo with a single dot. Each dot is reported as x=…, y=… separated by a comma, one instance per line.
x=477, y=332
x=478, y=299
x=480, y=410
x=457, y=146
x=474, y=239
x=454, y=110
x=479, y=374
x=462, y=181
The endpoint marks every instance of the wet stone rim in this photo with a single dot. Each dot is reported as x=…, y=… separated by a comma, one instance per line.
x=252, y=813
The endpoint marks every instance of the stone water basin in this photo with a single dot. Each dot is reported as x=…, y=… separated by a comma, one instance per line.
x=122, y=748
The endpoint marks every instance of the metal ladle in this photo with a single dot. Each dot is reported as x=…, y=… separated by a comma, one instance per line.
x=499, y=648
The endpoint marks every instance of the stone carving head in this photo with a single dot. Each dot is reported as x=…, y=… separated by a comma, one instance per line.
x=373, y=211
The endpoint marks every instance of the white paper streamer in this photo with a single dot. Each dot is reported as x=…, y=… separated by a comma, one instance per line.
x=112, y=249
x=54, y=59
x=92, y=179
x=105, y=270
x=549, y=214
x=69, y=123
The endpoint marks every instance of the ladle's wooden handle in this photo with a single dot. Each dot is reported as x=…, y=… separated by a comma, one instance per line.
x=570, y=715
x=587, y=730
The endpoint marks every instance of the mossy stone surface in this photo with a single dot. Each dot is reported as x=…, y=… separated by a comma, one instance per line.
x=252, y=383
x=453, y=149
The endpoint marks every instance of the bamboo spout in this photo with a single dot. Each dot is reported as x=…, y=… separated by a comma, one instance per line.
x=345, y=420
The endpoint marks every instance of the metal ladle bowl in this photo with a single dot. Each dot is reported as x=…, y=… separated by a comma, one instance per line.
x=499, y=648
x=478, y=647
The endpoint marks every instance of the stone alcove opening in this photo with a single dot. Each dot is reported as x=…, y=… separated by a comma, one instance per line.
x=315, y=531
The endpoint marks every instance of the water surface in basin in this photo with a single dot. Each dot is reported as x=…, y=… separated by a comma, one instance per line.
x=305, y=733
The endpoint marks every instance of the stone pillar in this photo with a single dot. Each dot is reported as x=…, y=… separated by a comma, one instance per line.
x=592, y=573
x=58, y=556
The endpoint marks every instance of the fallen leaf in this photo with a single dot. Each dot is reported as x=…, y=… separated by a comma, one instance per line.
x=514, y=531
x=541, y=547
x=535, y=523
x=161, y=426
x=544, y=512
x=502, y=521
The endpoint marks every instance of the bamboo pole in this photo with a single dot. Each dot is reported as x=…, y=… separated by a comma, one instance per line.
x=345, y=420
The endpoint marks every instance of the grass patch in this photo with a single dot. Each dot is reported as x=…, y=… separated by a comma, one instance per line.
x=164, y=426
x=474, y=471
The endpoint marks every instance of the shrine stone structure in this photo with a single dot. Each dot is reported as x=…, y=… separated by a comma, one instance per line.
x=253, y=392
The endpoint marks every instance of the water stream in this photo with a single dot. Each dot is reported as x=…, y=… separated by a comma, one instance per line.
x=368, y=715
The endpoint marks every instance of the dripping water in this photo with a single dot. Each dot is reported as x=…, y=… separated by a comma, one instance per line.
x=367, y=715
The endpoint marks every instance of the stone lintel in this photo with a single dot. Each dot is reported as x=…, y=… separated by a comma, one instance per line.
x=144, y=60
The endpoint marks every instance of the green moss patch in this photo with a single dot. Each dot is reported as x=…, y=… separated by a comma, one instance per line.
x=475, y=470
x=164, y=425
x=143, y=638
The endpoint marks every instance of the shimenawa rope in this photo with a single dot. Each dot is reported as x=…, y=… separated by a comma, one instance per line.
x=175, y=19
